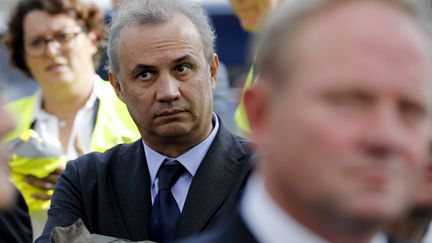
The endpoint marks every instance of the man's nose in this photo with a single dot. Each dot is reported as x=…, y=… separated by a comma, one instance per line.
x=167, y=88
x=386, y=134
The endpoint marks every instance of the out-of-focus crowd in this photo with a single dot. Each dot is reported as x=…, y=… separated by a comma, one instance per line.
x=145, y=120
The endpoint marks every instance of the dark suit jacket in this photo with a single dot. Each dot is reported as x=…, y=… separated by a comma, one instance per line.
x=234, y=230
x=110, y=191
x=15, y=225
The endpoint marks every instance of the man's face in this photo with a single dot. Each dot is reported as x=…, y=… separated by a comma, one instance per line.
x=252, y=12
x=166, y=82
x=346, y=137
x=59, y=65
x=6, y=189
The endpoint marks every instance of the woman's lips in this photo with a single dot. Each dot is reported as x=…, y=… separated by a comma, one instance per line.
x=55, y=67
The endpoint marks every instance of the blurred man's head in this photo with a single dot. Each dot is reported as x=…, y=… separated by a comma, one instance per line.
x=7, y=191
x=341, y=113
x=252, y=12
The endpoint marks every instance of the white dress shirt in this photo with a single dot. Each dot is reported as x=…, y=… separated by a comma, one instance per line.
x=191, y=160
x=270, y=224
x=48, y=125
x=428, y=236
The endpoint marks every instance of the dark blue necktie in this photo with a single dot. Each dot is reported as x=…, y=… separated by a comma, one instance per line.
x=165, y=212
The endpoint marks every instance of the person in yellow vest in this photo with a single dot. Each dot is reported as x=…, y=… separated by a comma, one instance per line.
x=250, y=14
x=57, y=43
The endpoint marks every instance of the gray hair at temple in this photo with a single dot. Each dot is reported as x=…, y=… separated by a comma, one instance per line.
x=282, y=27
x=156, y=12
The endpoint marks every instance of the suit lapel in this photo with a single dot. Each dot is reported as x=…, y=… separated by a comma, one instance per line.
x=212, y=183
x=131, y=183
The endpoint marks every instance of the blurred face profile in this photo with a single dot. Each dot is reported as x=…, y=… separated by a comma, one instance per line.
x=6, y=190
x=252, y=12
x=58, y=52
x=346, y=134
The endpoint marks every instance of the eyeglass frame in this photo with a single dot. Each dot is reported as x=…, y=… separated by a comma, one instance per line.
x=61, y=45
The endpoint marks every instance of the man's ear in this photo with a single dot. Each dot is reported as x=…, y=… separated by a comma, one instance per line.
x=115, y=83
x=257, y=100
x=214, y=67
x=94, y=42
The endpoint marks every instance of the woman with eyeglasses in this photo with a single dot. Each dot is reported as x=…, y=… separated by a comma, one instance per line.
x=57, y=42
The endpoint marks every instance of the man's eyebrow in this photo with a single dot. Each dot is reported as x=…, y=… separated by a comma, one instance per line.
x=184, y=58
x=140, y=67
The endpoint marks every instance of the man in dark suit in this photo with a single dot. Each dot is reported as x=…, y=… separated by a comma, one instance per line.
x=187, y=169
x=341, y=118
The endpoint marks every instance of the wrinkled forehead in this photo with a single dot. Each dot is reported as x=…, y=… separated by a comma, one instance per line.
x=178, y=32
x=159, y=45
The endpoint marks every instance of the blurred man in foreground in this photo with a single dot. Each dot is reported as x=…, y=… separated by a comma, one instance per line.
x=341, y=117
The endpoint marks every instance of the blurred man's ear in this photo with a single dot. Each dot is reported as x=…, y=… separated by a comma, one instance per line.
x=115, y=83
x=257, y=100
x=214, y=67
x=94, y=41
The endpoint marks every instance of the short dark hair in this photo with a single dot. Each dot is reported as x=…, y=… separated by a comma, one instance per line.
x=87, y=15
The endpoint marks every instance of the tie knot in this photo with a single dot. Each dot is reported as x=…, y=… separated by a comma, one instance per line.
x=169, y=173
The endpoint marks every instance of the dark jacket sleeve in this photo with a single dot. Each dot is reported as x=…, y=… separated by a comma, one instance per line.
x=15, y=225
x=66, y=204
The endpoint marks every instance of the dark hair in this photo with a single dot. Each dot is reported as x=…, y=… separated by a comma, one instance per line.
x=89, y=17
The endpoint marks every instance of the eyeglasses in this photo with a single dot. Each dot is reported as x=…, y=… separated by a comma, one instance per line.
x=63, y=41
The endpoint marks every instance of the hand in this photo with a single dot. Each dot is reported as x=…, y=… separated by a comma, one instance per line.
x=45, y=184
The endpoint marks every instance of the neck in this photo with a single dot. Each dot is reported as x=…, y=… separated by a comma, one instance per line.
x=66, y=104
x=413, y=226
x=329, y=226
x=173, y=147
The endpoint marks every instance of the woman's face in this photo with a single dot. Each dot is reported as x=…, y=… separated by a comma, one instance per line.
x=252, y=12
x=58, y=52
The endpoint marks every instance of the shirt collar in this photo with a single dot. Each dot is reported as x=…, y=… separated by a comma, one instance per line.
x=269, y=223
x=191, y=159
x=39, y=113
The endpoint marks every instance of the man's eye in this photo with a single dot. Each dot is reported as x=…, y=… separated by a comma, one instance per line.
x=413, y=110
x=182, y=68
x=145, y=76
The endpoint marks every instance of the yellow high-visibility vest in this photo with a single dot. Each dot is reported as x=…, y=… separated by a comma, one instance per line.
x=113, y=126
x=240, y=116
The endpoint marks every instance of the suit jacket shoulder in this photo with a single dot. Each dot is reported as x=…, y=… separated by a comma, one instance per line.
x=232, y=230
x=110, y=191
x=217, y=184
